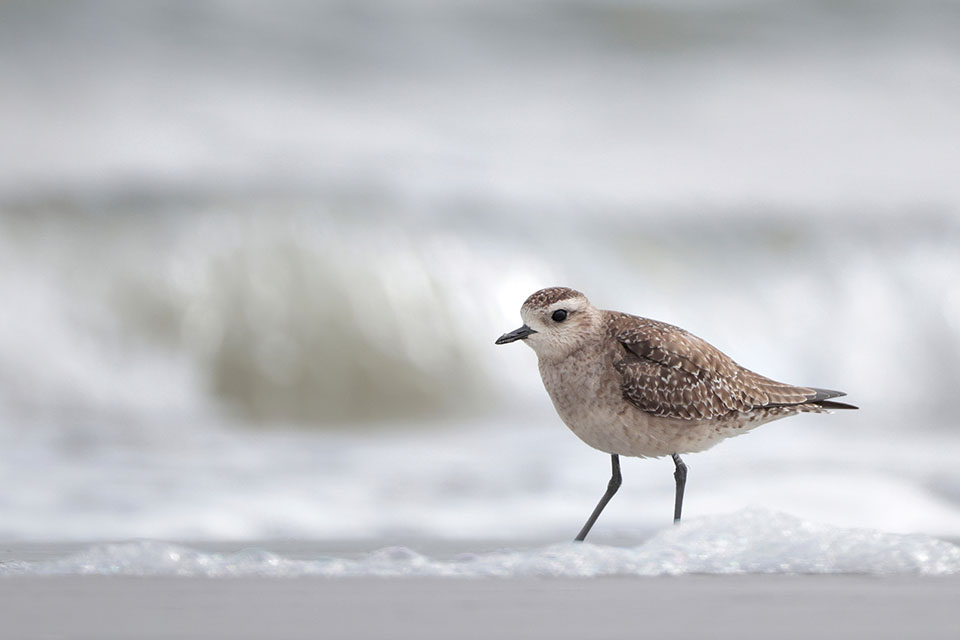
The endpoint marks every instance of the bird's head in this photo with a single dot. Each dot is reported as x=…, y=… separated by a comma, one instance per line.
x=556, y=322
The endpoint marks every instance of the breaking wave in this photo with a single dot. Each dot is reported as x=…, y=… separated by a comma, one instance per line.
x=322, y=214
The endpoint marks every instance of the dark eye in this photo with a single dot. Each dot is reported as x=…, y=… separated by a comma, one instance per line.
x=559, y=315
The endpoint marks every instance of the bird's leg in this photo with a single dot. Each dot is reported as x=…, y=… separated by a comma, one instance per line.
x=612, y=487
x=680, y=475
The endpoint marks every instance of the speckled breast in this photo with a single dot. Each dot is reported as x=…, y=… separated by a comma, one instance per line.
x=586, y=393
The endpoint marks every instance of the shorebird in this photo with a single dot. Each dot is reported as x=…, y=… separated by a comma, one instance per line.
x=632, y=386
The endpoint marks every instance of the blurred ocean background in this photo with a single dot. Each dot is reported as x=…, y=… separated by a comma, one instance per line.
x=254, y=256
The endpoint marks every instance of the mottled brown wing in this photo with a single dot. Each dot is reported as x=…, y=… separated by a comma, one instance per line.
x=670, y=372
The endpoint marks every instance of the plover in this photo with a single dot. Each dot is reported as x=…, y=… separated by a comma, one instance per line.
x=638, y=387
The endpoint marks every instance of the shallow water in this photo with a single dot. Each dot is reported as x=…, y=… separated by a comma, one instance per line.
x=752, y=541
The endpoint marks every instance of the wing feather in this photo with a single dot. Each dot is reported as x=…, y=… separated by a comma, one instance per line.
x=670, y=372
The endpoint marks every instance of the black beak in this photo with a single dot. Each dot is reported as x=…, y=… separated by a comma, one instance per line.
x=516, y=334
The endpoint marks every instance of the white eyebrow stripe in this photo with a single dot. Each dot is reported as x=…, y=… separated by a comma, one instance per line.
x=556, y=306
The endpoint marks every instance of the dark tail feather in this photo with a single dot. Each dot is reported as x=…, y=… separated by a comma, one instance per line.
x=822, y=398
x=829, y=404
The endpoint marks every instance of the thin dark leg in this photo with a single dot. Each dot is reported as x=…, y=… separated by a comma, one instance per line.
x=612, y=487
x=680, y=475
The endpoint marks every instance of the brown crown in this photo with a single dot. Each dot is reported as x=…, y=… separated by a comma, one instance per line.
x=546, y=297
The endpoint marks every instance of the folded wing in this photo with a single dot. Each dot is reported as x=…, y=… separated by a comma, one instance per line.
x=669, y=372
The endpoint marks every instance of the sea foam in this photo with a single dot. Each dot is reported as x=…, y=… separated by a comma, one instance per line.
x=750, y=541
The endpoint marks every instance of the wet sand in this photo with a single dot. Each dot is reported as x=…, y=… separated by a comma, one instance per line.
x=750, y=606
